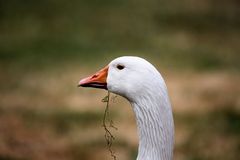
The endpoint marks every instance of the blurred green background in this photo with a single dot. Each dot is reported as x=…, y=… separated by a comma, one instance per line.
x=47, y=46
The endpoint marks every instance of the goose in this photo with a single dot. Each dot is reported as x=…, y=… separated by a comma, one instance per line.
x=143, y=86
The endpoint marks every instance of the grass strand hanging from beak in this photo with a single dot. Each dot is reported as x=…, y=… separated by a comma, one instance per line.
x=106, y=119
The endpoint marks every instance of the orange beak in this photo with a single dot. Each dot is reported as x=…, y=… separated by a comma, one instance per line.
x=98, y=80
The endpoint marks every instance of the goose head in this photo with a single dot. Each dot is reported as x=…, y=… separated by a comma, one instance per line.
x=128, y=76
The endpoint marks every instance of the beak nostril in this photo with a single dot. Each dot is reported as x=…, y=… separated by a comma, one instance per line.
x=94, y=76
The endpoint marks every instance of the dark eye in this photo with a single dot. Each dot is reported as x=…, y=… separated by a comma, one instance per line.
x=120, y=67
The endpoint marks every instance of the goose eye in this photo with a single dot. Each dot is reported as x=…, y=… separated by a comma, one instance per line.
x=120, y=67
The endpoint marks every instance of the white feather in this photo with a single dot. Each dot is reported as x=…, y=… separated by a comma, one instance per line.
x=144, y=87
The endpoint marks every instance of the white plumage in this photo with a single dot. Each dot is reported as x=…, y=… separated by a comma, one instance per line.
x=139, y=81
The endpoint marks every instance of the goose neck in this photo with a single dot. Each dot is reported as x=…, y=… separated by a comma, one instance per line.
x=155, y=128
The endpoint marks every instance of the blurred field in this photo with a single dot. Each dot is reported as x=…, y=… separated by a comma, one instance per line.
x=47, y=46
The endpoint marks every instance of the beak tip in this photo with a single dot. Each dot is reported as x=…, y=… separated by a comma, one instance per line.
x=81, y=82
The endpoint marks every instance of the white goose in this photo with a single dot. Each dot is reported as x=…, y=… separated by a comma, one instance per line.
x=139, y=81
